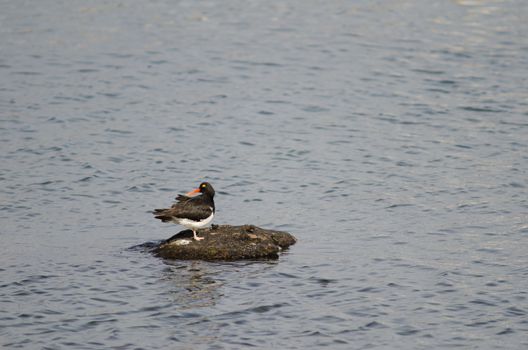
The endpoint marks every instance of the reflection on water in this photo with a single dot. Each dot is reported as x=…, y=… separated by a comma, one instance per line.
x=193, y=284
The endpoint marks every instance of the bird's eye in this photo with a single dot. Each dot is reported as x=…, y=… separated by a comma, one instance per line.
x=203, y=185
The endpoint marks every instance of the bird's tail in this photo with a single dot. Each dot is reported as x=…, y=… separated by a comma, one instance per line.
x=162, y=215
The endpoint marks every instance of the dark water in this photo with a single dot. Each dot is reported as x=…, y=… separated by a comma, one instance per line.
x=391, y=137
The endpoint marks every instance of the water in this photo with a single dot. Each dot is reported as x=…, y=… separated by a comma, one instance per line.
x=390, y=137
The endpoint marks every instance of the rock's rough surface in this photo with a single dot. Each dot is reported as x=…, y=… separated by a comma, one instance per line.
x=226, y=242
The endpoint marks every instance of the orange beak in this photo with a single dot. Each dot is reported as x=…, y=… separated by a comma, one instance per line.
x=193, y=192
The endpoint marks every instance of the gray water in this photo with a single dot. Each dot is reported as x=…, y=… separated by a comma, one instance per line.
x=390, y=137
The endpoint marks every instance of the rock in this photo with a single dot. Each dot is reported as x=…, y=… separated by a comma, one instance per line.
x=226, y=242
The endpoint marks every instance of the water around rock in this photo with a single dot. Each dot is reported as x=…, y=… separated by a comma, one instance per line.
x=389, y=136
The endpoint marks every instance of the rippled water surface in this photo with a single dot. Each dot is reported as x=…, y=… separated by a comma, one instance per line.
x=390, y=137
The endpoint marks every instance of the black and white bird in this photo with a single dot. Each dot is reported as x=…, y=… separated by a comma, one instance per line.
x=191, y=212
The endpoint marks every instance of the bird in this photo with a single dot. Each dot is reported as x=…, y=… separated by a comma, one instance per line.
x=192, y=212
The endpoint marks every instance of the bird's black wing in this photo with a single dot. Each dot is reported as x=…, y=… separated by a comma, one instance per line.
x=182, y=198
x=192, y=210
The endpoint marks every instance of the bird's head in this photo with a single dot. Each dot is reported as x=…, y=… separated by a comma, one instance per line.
x=205, y=187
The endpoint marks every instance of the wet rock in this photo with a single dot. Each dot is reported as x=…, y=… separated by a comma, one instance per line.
x=226, y=242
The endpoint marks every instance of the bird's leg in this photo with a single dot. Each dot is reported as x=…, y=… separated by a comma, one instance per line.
x=196, y=237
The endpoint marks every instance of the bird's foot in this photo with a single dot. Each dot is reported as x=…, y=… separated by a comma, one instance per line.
x=196, y=238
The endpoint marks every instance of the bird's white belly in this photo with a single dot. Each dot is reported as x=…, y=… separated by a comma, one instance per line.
x=194, y=224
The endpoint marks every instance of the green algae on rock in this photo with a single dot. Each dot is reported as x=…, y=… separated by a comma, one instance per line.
x=226, y=242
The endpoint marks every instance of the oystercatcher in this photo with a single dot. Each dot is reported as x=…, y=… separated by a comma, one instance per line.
x=191, y=212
